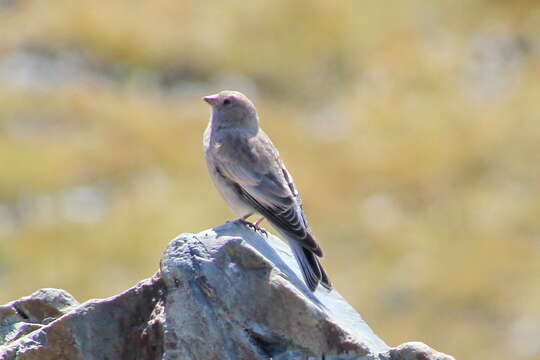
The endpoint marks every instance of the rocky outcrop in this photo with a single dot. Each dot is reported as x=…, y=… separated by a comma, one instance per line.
x=126, y=326
x=226, y=293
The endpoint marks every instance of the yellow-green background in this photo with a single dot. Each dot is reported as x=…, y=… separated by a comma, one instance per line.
x=412, y=129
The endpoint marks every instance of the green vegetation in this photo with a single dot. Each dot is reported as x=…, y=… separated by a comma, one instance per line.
x=418, y=161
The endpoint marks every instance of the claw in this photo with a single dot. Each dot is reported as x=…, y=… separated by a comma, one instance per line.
x=262, y=231
x=255, y=227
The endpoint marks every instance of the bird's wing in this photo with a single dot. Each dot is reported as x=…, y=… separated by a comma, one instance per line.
x=263, y=181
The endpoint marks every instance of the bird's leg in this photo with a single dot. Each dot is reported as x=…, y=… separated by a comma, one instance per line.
x=251, y=225
x=261, y=229
x=259, y=221
x=255, y=226
x=242, y=220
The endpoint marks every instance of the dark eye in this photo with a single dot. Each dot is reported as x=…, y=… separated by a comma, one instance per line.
x=226, y=102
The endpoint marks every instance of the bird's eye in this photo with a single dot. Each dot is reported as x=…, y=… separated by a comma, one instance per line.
x=226, y=102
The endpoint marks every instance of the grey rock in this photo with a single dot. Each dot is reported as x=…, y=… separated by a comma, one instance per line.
x=245, y=293
x=225, y=293
x=126, y=326
x=29, y=313
x=415, y=351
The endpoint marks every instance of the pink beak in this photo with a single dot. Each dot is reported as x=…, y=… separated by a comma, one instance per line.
x=211, y=99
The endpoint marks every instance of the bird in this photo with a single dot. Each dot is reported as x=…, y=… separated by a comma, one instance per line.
x=248, y=172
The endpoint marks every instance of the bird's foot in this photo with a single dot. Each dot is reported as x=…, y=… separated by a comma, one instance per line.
x=252, y=226
x=262, y=230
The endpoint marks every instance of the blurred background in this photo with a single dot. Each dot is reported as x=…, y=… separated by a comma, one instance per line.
x=419, y=160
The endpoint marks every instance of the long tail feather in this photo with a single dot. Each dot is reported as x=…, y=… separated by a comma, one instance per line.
x=312, y=269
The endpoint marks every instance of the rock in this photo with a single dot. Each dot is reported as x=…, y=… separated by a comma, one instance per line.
x=242, y=292
x=226, y=293
x=27, y=314
x=126, y=326
x=416, y=351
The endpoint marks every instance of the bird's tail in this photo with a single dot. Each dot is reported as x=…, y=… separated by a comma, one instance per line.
x=309, y=264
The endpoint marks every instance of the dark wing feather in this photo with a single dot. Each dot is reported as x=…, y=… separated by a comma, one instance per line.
x=263, y=182
x=285, y=217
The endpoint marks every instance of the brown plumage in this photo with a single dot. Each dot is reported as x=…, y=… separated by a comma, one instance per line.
x=251, y=177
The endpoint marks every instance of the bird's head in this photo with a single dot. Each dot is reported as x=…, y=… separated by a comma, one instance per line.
x=232, y=109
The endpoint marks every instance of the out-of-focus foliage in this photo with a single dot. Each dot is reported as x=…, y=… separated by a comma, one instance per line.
x=412, y=129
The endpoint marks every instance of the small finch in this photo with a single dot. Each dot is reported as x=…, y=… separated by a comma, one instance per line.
x=250, y=176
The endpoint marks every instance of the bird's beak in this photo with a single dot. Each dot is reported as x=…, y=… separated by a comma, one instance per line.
x=211, y=99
